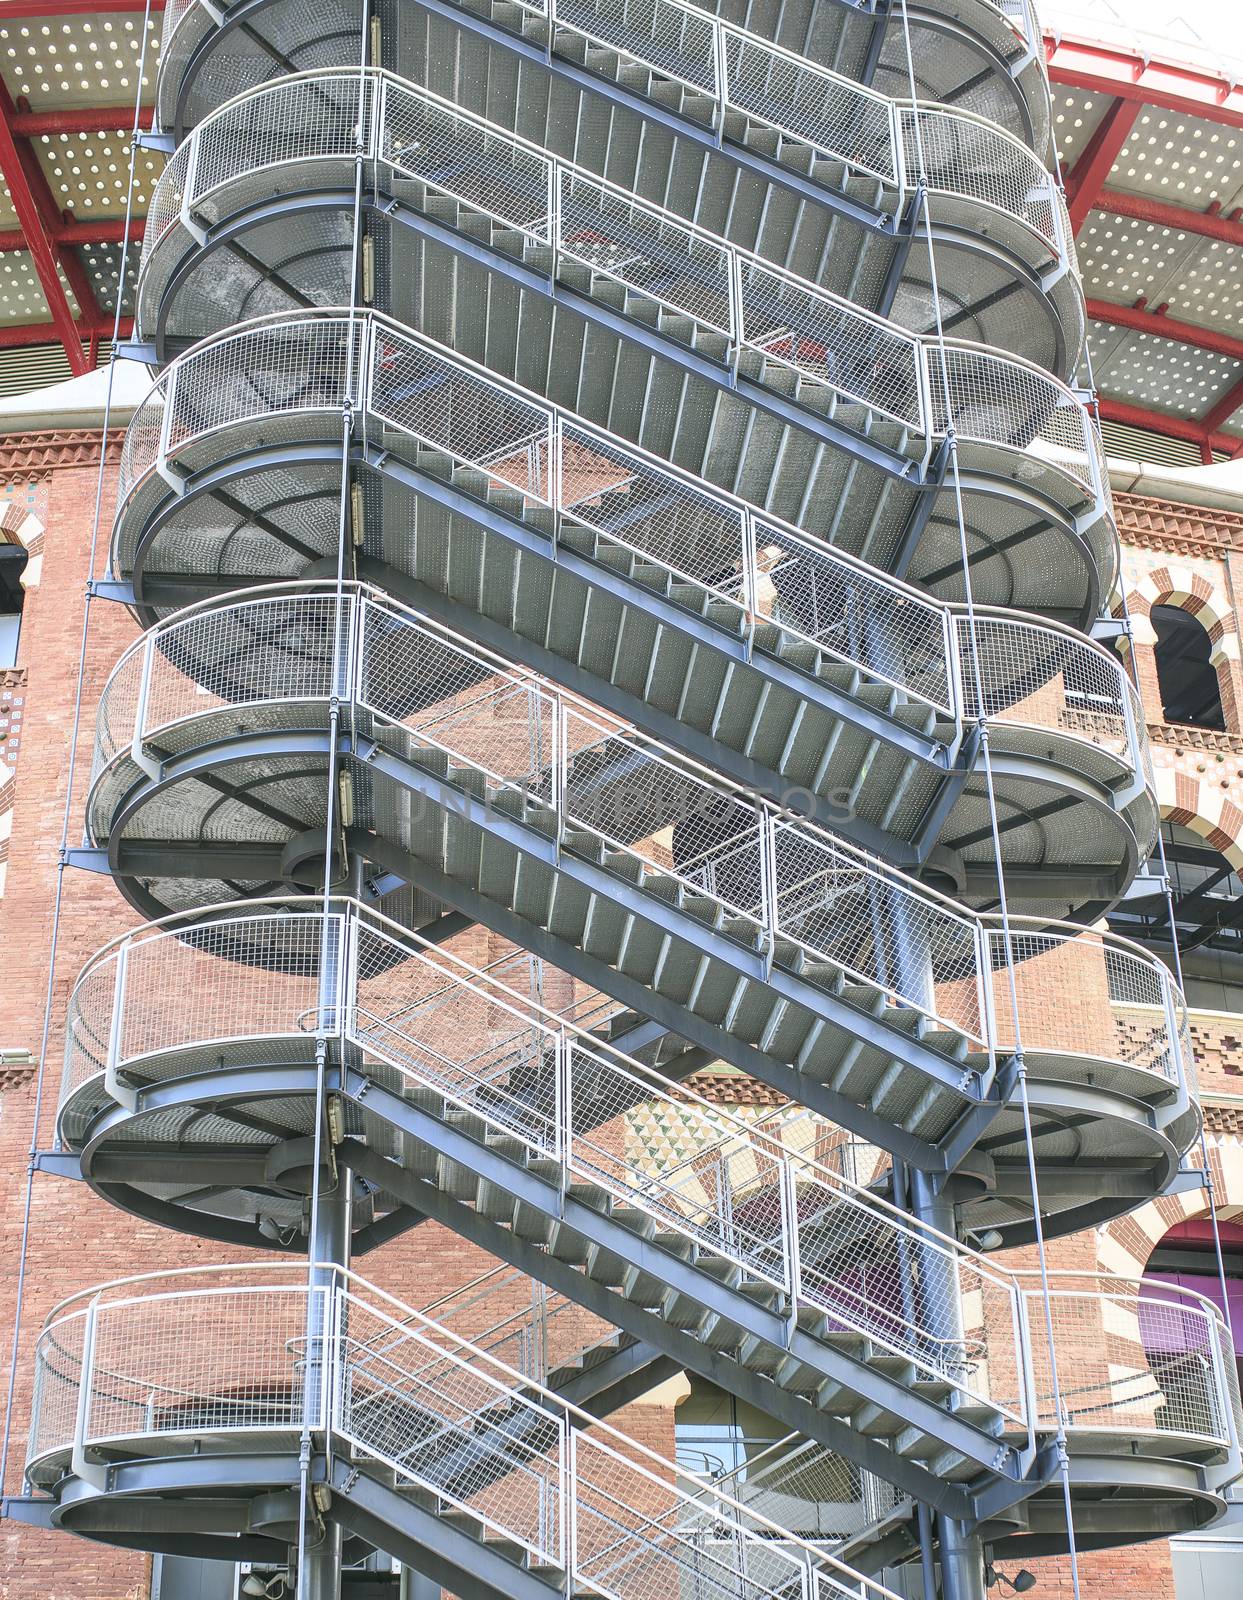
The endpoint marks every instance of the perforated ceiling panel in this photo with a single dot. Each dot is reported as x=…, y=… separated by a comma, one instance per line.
x=1181, y=158
x=77, y=61
x=21, y=298
x=1160, y=372
x=89, y=172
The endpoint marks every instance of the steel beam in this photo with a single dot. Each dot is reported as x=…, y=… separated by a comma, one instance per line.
x=105, y=230
x=1130, y=74
x=24, y=334
x=687, y=1351
x=29, y=194
x=1212, y=223
x=28, y=124
x=1087, y=178
x=1221, y=411
x=1140, y=320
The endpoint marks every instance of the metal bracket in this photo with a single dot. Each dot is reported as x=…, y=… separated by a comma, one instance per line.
x=90, y=858
x=60, y=1163
x=1184, y=1181
x=1106, y=629
x=137, y=350
x=118, y=589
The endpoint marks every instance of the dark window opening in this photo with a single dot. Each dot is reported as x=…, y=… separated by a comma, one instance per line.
x=1208, y=914
x=1188, y=683
x=13, y=558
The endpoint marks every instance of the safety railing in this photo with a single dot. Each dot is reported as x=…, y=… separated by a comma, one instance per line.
x=444, y=1417
x=1120, y=1005
x=546, y=204
x=141, y=1358
x=844, y=122
x=746, y=1199
x=769, y=1199
x=428, y=695
x=677, y=40
x=741, y=73
x=1015, y=670
x=1138, y=1358
x=754, y=566
x=797, y=1482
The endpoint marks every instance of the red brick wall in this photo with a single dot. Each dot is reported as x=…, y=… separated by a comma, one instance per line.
x=76, y=1240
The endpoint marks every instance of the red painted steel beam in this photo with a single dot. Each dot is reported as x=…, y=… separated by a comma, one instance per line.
x=42, y=9
x=1126, y=74
x=1087, y=178
x=28, y=124
x=25, y=198
x=1209, y=224
x=1220, y=413
x=1144, y=321
x=1185, y=428
x=104, y=230
x=20, y=334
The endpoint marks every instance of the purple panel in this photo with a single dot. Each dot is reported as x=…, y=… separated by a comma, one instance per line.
x=1159, y=1323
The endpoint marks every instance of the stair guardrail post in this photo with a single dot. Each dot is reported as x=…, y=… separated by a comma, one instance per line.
x=80, y=1466
x=720, y=73
x=986, y=999
x=119, y=1091
x=142, y=699
x=186, y=213
x=567, y=1456
x=564, y=1107
x=790, y=1232
x=554, y=486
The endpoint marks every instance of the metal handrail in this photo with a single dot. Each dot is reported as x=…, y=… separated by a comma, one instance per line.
x=155, y=693
x=710, y=75
x=928, y=623
x=628, y=1083
x=564, y=1468
x=502, y=1382
x=730, y=1144
x=536, y=195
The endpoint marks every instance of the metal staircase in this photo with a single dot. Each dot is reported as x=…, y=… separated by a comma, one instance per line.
x=559, y=511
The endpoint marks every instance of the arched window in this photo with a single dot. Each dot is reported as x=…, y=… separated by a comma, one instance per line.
x=1187, y=679
x=13, y=558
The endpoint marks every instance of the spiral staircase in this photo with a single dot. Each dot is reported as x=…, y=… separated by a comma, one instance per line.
x=612, y=479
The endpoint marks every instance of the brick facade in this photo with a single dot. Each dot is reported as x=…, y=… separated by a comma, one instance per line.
x=1174, y=555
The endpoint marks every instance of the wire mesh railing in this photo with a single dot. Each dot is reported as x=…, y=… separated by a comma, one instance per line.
x=456, y=1428
x=144, y=1359
x=796, y=1482
x=673, y=526
x=540, y=206
x=769, y=1200
x=171, y=1359
x=678, y=41
x=745, y=1199
x=857, y=129
x=1139, y=1357
x=729, y=70
x=427, y=697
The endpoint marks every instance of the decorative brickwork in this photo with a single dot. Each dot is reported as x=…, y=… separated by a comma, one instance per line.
x=1175, y=529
